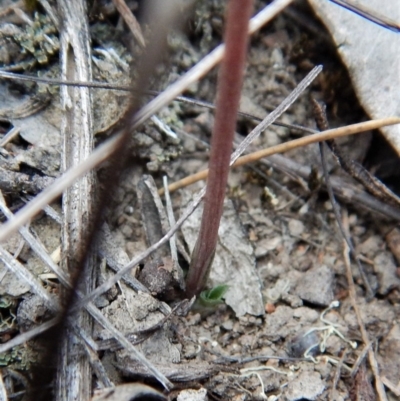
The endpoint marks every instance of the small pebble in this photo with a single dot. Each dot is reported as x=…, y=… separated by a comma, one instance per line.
x=296, y=227
x=299, y=344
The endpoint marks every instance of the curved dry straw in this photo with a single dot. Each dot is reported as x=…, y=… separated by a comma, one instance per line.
x=296, y=143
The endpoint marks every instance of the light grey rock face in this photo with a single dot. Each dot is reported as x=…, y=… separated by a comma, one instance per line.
x=372, y=56
x=316, y=286
x=307, y=385
x=131, y=312
x=193, y=395
x=385, y=268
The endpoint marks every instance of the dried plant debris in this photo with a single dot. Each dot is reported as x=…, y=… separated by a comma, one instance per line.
x=129, y=392
x=162, y=274
x=179, y=373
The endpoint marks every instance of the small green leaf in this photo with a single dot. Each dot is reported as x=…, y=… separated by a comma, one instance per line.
x=213, y=296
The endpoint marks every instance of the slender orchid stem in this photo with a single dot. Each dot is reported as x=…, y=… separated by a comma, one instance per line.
x=230, y=80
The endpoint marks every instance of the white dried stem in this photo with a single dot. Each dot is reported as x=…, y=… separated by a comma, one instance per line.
x=74, y=373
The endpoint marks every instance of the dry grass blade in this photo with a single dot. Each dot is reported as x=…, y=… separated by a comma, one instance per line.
x=300, y=88
x=332, y=395
x=296, y=143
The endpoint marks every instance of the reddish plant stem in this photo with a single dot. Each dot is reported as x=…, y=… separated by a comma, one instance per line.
x=230, y=78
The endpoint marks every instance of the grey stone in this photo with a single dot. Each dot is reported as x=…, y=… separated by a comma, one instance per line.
x=316, y=286
x=307, y=385
x=385, y=268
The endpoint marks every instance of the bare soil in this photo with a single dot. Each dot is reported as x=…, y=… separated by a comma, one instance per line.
x=303, y=346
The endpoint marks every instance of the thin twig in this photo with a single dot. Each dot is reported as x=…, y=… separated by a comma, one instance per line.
x=336, y=211
x=322, y=124
x=130, y=20
x=358, y=172
x=171, y=219
x=300, y=88
x=364, y=334
x=332, y=396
